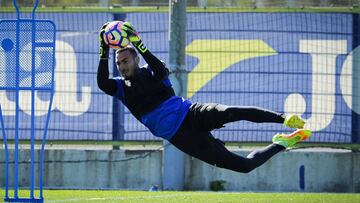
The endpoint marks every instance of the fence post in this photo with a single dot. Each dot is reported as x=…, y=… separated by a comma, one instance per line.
x=355, y=117
x=118, y=129
x=174, y=159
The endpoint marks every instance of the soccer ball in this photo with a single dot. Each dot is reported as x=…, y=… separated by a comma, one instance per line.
x=114, y=36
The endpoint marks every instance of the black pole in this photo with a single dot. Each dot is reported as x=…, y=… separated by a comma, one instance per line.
x=355, y=117
x=118, y=129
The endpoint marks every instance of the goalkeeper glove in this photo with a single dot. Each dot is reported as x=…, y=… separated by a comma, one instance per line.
x=134, y=36
x=104, y=48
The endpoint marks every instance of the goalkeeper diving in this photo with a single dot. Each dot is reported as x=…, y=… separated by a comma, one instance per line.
x=148, y=94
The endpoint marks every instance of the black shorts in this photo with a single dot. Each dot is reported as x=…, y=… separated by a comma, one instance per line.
x=195, y=139
x=194, y=136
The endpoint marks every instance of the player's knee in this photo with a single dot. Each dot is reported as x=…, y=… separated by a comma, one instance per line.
x=243, y=166
x=249, y=165
x=234, y=165
x=226, y=113
x=246, y=169
x=240, y=169
x=215, y=115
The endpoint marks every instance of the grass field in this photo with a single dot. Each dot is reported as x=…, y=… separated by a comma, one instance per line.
x=208, y=197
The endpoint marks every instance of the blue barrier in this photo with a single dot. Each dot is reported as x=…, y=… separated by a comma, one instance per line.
x=25, y=74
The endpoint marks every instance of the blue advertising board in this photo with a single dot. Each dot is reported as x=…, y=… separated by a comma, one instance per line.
x=287, y=62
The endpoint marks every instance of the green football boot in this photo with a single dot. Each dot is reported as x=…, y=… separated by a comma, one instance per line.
x=294, y=121
x=289, y=140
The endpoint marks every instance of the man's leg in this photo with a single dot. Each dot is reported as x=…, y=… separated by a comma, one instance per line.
x=204, y=146
x=210, y=116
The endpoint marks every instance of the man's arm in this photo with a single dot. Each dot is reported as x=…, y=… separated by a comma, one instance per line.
x=105, y=84
x=157, y=66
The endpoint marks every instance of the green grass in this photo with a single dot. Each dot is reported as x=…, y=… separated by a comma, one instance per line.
x=196, y=197
x=188, y=9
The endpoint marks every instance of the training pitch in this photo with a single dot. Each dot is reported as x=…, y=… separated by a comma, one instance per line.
x=144, y=196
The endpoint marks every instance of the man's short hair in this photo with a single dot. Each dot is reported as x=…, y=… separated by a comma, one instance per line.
x=128, y=48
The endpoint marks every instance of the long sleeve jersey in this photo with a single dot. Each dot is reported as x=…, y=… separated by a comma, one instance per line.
x=148, y=95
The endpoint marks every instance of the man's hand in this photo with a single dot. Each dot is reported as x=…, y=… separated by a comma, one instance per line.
x=134, y=36
x=104, y=48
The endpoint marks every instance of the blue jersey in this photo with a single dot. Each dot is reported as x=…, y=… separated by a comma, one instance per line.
x=153, y=102
x=165, y=120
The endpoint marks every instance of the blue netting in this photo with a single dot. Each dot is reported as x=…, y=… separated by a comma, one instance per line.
x=28, y=53
x=287, y=62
